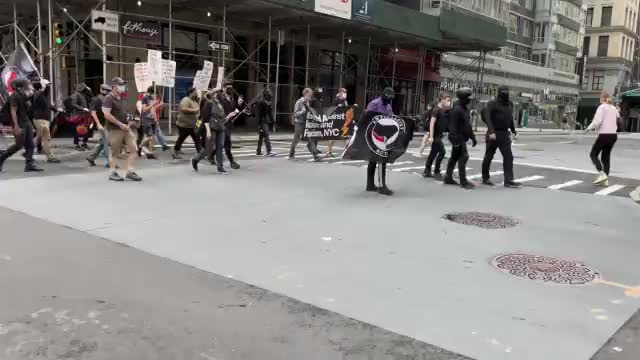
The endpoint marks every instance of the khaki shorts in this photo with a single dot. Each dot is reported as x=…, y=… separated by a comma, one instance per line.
x=118, y=139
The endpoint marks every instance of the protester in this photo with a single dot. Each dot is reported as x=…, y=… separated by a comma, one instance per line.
x=149, y=124
x=41, y=110
x=21, y=125
x=300, y=110
x=499, y=119
x=605, y=122
x=437, y=124
x=114, y=108
x=381, y=105
x=214, y=124
x=426, y=120
x=460, y=131
x=341, y=104
x=264, y=119
x=186, y=123
x=80, y=116
x=100, y=123
x=231, y=111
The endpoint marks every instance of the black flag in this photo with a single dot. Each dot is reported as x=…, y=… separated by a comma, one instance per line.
x=380, y=138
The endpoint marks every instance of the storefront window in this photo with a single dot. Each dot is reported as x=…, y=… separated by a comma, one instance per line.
x=598, y=80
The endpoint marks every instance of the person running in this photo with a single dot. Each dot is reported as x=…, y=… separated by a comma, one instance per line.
x=99, y=122
x=80, y=116
x=426, y=119
x=214, y=120
x=148, y=116
x=41, y=109
x=460, y=131
x=231, y=111
x=605, y=122
x=381, y=105
x=436, y=128
x=264, y=118
x=21, y=125
x=114, y=108
x=341, y=104
x=300, y=110
x=186, y=123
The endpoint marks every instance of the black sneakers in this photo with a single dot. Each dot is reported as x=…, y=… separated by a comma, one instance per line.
x=512, y=184
x=384, y=190
x=91, y=161
x=194, y=164
x=488, y=182
x=31, y=167
x=234, y=165
x=115, y=177
x=450, y=181
x=131, y=175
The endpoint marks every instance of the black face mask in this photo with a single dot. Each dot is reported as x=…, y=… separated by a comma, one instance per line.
x=386, y=99
x=267, y=97
x=464, y=100
x=229, y=92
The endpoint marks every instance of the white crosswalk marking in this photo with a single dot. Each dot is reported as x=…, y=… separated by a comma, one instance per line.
x=564, y=185
x=610, y=190
x=408, y=168
x=348, y=162
x=401, y=163
x=456, y=169
x=530, y=178
x=478, y=176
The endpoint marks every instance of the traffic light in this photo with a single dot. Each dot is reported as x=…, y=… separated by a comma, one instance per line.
x=58, y=33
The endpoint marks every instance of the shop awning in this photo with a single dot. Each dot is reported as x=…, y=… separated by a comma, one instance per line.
x=635, y=93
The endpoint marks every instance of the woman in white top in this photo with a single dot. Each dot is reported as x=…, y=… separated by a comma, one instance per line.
x=605, y=122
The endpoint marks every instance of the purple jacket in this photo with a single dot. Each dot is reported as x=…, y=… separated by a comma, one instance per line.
x=378, y=106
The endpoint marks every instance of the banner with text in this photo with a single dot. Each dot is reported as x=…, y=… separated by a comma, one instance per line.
x=330, y=123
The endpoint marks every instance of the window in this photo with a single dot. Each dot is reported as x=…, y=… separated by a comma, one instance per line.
x=603, y=45
x=543, y=59
x=535, y=58
x=598, y=80
x=623, y=48
x=526, y=27
x=585, y=81
x=528, y=4
x=606, y=16
x=626, y=17
x=586, y=45
x=513, y=23
x=590, y=17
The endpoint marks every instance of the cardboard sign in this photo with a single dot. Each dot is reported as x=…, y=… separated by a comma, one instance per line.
x=200, y=81
x=220, y=77
x=105, y=21
x=154, y=66
x=168, y=73
x=207, y=68
x=141, y=77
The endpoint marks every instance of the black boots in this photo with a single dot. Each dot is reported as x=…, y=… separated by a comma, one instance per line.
x=31, y=167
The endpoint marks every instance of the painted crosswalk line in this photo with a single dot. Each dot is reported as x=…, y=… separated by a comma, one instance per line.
x=395, y=164
x=478, y=176
x=529, y=178
x=565, y=185
x=345, y=162
x=408, y=168
x=609, y=190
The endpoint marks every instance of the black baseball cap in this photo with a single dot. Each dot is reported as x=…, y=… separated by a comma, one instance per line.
x=118, y=81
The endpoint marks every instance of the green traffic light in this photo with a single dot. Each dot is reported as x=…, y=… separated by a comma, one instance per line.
x=59, y=40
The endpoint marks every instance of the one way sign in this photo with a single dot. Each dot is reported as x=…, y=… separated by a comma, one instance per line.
x=219, y=46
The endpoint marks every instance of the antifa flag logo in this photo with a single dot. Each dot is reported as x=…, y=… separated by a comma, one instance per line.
x=380, y=138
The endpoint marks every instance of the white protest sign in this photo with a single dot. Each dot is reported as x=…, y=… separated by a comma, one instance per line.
x=207, y=68
x=141, y=77
x=220, y=76
x=200, y=81
x=168, y=73
x=154, y=67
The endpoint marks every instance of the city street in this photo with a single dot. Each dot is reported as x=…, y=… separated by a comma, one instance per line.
x=294, y=260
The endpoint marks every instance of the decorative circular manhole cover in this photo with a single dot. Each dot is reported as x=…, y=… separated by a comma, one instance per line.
x=546, y=269
x=481, y=219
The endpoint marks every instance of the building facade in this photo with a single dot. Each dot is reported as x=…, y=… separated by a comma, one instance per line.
x=609, y=44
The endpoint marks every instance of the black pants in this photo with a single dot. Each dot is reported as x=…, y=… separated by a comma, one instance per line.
x=502, y=142
x=215, y=144
x=25, y=140
x=460, y=156
x=227, y=143
x=183, y=133
x=263, y=135
x=437, y=153
x=604, y=144
x=371, y=174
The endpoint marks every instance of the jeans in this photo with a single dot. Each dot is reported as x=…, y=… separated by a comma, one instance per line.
x=227, y=144
x=604, y=144
x=437, y=153
x=25, y=140
x=459, y=155
x=183, y=133
x=102, y=149
x=215, y=143
x=162, y=140
x=502, y=142
x=263, y=134
x=297, y=135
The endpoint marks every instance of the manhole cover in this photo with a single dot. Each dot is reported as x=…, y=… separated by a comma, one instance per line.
x=481, y=219
x=545, y=269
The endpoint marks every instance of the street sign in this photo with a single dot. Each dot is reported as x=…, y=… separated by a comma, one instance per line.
x=105, y=21
x=219, y=46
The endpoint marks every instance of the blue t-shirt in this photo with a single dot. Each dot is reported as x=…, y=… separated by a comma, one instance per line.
x=148, y=116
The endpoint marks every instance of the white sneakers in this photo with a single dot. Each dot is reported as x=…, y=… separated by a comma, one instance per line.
x=601, y=179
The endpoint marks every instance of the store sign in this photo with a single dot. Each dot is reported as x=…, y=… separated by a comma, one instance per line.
x=452, y=86
x=141, y=29
x=104, y=21
x=362, y=10
x=339, y=8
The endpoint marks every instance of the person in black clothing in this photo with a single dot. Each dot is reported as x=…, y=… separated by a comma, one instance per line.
x=436, y=125
x=460, y=131
x=41, y=110
x=230, y=107
x=22, y=126
x=213, y=120
x=80, y=114
x=499, y=118
x=264, y=118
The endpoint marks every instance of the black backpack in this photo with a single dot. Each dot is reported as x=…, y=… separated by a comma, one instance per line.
x=5, y=114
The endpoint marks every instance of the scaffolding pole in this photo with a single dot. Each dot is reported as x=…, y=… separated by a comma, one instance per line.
x=366, y=78
x=269, y=56
x=15, y=28
x=40, y=56
x=104, y=50
x=275, y=100
x=306, y=68
x=341, y=61
x=224, y=29
x=51, y=75
x=171, y=58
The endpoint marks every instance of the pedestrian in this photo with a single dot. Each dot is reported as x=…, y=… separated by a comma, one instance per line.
x=148, y=117
x=381, y=105
x=300, y=110
x=437, y=123
x=231, y=111
x=114, y=108
x=214, y=125
x=499, y=119
x=18, y=116
x=80, y=116
x=186, y=123
x=264, y=119
x=341, y=104
x=100, y=123
x=41, y=110
x=460, y=131
x=426, y=121
x=605, y=122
